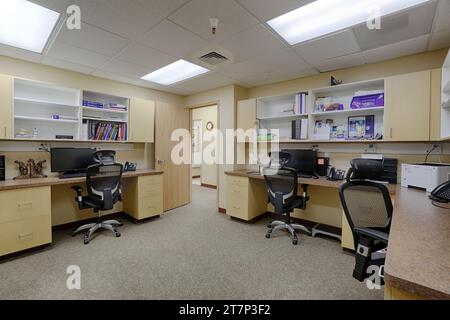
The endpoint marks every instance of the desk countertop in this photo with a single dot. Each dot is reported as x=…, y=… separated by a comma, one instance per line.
x=51, y=181
x=418, y=258
x=321, y=182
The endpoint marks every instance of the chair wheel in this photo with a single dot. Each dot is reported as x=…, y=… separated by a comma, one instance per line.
x=269, y=226
x=86, y=241
x=117, y=233
x=295, y=242
x=268, y=235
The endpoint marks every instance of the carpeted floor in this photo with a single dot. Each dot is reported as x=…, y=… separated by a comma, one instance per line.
x=191, y=252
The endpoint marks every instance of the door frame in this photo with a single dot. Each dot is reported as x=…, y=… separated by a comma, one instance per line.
x=191, y=108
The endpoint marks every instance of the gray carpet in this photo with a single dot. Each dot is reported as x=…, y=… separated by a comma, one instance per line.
x=191, y=252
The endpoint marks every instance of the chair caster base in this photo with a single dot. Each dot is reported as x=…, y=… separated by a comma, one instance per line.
x=295, y=242
x=268, y=236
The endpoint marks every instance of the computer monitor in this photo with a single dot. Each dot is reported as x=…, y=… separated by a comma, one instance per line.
x=302, y=160
x=71, y=160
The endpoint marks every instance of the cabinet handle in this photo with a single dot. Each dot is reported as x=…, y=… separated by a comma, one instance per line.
x=236, y=191
x=238, y=208
x=25, y=235
x=391, y=132
x=25, y=205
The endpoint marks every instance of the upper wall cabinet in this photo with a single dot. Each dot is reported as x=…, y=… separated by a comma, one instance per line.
x=5, y=106
x=142, y=120
x=246, y=114
x=407, y=107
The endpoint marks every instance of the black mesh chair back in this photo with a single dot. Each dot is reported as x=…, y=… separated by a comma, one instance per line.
x=366, y=204
x=282, y=185
x=104, y=184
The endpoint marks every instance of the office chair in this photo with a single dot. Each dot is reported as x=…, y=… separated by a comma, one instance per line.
x=282, y=185
x=103, y=182
x=368, y=208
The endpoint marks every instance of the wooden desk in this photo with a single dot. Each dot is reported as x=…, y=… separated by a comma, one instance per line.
x=29, y=208
x=418, y=258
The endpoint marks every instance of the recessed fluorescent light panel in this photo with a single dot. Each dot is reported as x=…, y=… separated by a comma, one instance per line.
x=322, y=17
x=175, y=72
x=26, y=25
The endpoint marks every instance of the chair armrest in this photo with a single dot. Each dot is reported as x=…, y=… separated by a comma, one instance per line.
x=372, y=233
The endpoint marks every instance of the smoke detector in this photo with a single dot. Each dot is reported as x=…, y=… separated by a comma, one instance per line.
x=214, y=24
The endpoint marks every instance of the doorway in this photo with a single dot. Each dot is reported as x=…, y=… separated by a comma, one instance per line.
x=203, y=121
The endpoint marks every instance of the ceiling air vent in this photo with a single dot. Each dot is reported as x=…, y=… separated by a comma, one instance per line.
x=213, y=58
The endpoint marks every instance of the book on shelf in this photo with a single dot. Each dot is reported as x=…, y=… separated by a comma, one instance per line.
x=362, y=127
x=299, y=129
x=105, y=131
x=322, y=129
x=301, y=103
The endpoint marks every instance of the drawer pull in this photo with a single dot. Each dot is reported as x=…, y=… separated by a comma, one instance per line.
x=238, y=208
x=236, y=191
x=25, y=205
x=25, y=235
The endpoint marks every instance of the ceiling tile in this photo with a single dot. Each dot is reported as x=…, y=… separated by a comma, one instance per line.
x=93, y=39
x=58, y=63
x=268, y=9
x=204, y=82
x=396, y=50
x=409, y=24
x=195, y=16
x=55, y=5
x=129, y=19
x=111, y=76
x=76, y=55
x=173, y=39
x=19, y=53
x=336, y=45
x=285, y=60
x=254, y=42
x=439, y=40
x=145, y=56
x=125, y=69
x=442, y=20
x=349, y=61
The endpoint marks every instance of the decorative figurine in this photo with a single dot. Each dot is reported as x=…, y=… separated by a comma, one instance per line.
x=335, y=82
x=23, y=169
x=36, y=169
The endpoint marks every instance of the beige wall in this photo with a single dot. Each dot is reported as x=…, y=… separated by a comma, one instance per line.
x=418, y=62
x=208, y=172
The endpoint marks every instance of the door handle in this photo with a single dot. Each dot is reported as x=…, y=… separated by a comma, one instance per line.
x=161, y=161
x=5, y=131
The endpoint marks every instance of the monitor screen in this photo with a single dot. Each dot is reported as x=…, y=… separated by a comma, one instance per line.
x=71, y=159
x=302, y=160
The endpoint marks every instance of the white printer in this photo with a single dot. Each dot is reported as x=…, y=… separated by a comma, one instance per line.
x=425, y=175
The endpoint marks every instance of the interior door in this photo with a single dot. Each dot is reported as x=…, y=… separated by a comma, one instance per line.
x=176, y=177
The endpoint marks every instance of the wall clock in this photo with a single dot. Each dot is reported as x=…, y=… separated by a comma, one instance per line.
x=209, y=126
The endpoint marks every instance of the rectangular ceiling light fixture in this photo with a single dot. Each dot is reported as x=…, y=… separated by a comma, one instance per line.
x=26, y=25
x=175, y=72
x=323, y=17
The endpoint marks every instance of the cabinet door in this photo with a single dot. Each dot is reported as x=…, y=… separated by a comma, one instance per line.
x=407, y=107
x=5, y=106
x=142, y=120
x=246, y=114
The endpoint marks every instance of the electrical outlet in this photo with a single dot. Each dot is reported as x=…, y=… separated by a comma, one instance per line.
x=370, y=148
x=433, y=148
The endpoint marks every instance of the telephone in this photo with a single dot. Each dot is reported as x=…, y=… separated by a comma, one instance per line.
x=441, y=193
x=130, y=166
x=335, y=175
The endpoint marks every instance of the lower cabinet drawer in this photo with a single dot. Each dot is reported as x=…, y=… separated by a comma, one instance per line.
x=150, y=206
x=150, y=184
x=24, y=203
x=24, y=234
x=237, y=207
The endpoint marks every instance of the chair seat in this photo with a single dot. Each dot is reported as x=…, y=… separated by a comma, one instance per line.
x=91, y=203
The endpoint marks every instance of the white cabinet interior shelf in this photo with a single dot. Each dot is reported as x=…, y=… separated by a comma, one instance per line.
x=47, y=110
